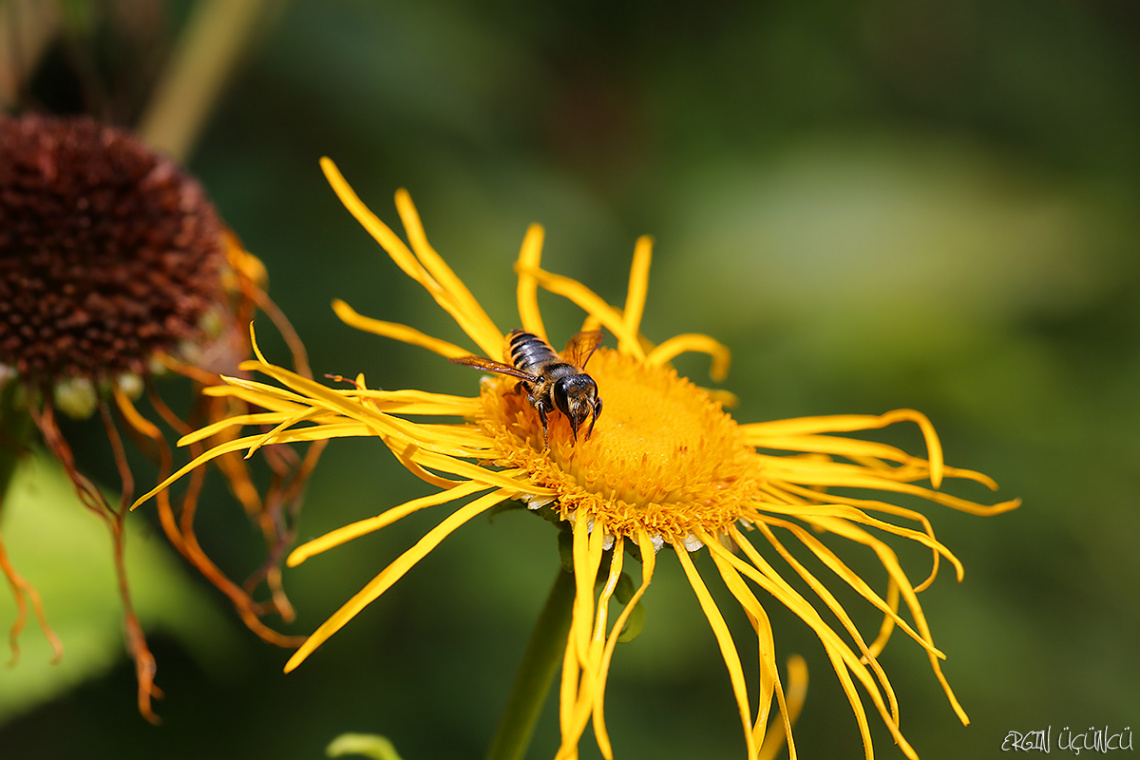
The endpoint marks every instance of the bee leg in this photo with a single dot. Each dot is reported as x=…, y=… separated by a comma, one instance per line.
x=597, y=411
x=542, y=416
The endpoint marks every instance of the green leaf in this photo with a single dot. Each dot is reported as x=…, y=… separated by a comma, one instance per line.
x=65, y=552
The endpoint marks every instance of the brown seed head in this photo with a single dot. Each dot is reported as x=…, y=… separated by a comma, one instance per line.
x=109, y=253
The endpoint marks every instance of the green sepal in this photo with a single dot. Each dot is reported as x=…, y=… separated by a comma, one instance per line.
x=504, y=506
x=633, y=624
x=566, y=550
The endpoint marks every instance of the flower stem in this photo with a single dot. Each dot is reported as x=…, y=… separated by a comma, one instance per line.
x=536, y=672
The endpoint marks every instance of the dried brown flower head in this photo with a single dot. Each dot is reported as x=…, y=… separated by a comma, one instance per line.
x=114, y=266
x=109, y=252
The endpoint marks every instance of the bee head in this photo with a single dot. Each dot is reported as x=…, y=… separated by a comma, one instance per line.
x=576, y=396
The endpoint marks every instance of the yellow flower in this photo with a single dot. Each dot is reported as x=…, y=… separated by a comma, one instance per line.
x=665, y=466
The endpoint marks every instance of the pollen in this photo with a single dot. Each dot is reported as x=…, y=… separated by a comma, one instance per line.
x=664, y=457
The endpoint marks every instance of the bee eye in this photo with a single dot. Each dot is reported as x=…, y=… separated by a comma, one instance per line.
x=561, y=395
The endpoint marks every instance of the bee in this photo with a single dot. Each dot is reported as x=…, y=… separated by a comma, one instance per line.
x=552, y=381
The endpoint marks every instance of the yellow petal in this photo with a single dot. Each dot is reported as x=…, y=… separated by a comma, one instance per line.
x=399, y=332
x=638, y=284
x=846, y=423
x=360, y=528
x=393, y=573
x=530, y=257
x=476, y=322
x=679, y=344
x=724, y=641
x=648, y=563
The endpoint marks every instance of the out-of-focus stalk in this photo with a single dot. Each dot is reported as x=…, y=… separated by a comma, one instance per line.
x=206, y=54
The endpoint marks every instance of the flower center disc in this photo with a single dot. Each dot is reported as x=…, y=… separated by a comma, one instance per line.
x=663, y=456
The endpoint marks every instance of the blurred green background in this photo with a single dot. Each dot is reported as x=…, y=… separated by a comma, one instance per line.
x=875, y=204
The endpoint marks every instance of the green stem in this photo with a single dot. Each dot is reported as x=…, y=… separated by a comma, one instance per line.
x=540, y=662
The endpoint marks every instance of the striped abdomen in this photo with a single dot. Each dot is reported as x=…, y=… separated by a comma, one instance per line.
x=531, y=354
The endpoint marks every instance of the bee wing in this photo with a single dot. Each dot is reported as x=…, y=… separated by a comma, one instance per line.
x=581, y=347
x=479, y=362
